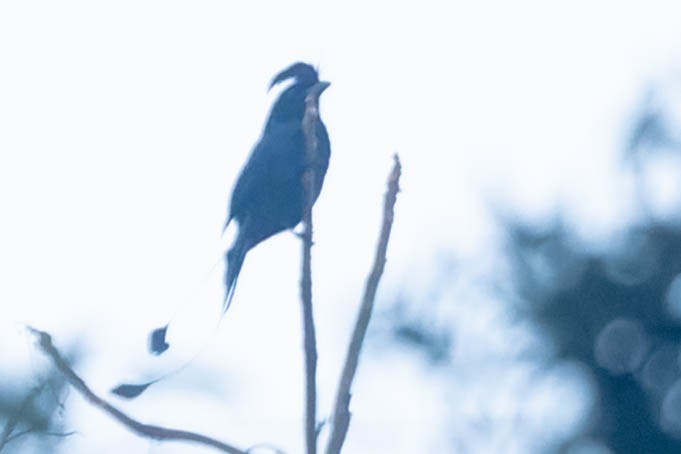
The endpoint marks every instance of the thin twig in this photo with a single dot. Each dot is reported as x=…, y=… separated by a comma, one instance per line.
x=309, y=126
x=341, y=413
x=144, y=430
x=41, y=433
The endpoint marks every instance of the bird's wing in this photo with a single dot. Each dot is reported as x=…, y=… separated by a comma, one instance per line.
x=272, y=171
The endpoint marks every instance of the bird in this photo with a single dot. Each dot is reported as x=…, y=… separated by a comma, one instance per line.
x=269, y=195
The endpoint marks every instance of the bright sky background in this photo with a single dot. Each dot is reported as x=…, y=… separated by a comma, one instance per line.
x=124, y=124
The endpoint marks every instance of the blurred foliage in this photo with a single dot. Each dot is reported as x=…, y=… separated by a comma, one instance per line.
x=417, y=329
x=614, y=313
x=31, y=413
x=615, y=309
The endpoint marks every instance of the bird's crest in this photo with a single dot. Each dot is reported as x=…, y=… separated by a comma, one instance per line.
x=303, y=73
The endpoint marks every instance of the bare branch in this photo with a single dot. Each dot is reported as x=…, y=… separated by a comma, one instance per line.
x=341, y=414
x=309, y=126
x=141, y=429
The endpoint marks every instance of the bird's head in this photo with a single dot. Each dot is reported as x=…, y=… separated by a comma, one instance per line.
x=290, y=106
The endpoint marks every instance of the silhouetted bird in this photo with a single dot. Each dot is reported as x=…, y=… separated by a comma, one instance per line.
x=268, y=196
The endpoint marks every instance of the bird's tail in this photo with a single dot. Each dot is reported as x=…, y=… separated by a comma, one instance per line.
x=157, y=340
x=183, y=338
x=234, y=260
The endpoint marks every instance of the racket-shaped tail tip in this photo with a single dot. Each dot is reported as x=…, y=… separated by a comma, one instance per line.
x=157, y=341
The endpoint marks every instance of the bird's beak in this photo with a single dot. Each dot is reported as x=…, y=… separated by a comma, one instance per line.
x=318, y=88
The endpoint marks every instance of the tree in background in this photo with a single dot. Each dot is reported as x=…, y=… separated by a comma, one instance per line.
x=614, y=311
